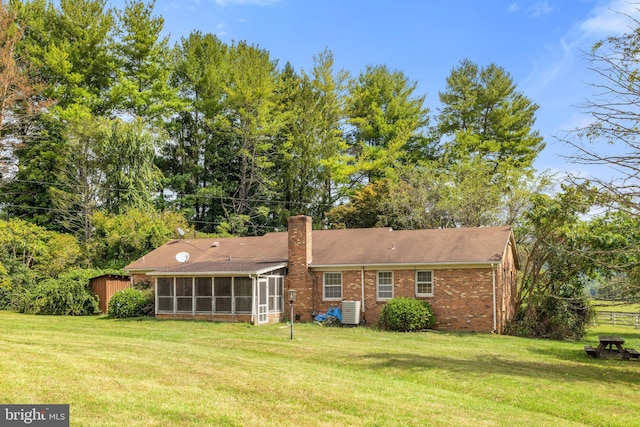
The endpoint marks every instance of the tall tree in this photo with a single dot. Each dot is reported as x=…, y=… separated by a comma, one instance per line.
x=330, y=84
x=42, y=160
x=386, y=120
x=196, y=159
x=310, y=147
x=143, y=56
x=251, y=122
x=75, y=192
x=484, y=115
x=70, y=48
x=126, y=152
x=296, y=146
x=67, y=51
x=17, y=93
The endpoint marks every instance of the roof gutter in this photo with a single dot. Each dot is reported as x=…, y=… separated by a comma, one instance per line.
x=408, y=264
x=216, y=273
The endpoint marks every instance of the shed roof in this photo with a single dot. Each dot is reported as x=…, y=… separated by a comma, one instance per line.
x=348, y=247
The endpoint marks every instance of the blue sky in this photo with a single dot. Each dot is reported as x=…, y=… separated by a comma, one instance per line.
x=539, y=42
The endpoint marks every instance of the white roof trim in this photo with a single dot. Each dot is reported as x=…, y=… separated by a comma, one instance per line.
x=399, y=265
x=217, y=273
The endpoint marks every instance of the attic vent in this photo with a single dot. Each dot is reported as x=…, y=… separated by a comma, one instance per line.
x=215, y=244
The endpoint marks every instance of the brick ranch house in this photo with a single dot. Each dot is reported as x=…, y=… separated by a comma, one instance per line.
x=468, y=275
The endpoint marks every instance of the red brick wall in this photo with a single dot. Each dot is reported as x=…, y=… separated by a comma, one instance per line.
x=462, y=298
x=298, y=276
x=506, y=289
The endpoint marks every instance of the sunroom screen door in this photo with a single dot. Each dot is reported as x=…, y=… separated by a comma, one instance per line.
x=263, y=306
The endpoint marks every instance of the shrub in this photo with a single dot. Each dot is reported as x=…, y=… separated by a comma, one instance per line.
x=565, y=315
x=406, y=315
x=67, y=295
x=130, y=303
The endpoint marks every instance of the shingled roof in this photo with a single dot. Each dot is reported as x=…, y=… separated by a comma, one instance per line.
x=348, y=247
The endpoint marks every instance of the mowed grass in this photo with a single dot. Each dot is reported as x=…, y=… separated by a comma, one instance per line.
x=618, y=306
x=185, y=373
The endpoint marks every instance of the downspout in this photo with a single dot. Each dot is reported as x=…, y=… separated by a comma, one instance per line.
x=362, y=283
x=495, y=320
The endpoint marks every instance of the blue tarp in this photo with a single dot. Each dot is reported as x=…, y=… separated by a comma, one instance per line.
x=333, y=311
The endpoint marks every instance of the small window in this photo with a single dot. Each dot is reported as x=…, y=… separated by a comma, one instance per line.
x=332, y=286
x=424, y=283
x=385, y=285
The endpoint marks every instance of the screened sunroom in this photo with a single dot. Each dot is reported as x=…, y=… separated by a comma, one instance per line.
x=248, y=293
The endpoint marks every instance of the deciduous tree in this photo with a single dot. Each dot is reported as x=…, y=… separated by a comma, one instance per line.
x=611, y=140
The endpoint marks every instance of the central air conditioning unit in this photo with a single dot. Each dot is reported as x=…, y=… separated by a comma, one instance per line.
x=350, y=312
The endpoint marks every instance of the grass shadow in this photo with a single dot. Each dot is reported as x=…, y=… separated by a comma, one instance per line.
x=586, y=369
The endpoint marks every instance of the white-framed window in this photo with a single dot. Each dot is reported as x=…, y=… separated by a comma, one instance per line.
x=424, y=283
x=331, y=285
x=384, y=285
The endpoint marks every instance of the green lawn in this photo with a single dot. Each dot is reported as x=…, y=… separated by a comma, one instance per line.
x=619, y=306
x=183, y=373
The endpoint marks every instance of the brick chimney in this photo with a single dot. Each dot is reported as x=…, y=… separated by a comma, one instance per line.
x=298, y=276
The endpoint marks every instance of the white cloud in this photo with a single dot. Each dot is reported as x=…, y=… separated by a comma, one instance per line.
x=540, y=8
x=221, y=29
x=610, y=19
x=513, y=7
x=543, y=76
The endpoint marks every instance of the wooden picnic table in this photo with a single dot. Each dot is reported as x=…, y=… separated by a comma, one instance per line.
x=607, y=344
x=611, y=346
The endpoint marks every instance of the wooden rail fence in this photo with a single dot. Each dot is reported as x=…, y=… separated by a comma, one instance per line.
x=615, y=318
